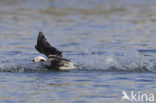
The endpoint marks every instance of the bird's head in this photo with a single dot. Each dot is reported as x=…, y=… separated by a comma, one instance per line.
x=38, y=59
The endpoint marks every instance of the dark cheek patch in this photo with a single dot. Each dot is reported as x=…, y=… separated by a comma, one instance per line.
x=33, y=60
x=42, y=60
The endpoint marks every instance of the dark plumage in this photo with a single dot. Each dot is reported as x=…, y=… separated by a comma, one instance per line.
x=45, y=48
x=55, y=58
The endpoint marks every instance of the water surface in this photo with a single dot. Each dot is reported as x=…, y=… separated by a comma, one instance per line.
x=112, y=41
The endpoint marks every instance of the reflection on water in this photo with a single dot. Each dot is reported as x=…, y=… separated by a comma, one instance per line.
x=97, y=35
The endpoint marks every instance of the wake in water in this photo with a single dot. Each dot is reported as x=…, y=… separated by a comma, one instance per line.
x=19, y=63
x=123, y=59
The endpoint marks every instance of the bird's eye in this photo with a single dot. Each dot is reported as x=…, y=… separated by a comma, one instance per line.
x=33, y=60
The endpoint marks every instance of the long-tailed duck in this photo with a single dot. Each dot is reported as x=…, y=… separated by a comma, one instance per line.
x=55, y=59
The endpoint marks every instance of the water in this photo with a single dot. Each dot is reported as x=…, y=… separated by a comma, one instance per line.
x=113, y=42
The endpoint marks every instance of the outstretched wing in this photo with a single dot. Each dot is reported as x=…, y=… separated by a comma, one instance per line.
x=45, y=48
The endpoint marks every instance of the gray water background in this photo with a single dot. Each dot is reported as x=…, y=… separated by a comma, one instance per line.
x=113, y=41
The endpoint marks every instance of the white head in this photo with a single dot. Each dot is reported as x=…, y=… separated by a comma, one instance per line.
x=39, y=59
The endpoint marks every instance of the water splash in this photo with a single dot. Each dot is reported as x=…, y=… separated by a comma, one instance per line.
x=19, y=63
x=108, y=60
x=121, y=59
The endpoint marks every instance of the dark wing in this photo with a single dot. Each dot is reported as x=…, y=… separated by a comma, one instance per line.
x=45, y=48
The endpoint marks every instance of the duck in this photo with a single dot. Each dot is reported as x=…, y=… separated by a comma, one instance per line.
x=55, y=60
